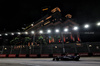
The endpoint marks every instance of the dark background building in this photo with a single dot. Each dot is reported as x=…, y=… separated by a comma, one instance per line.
x=18, y=14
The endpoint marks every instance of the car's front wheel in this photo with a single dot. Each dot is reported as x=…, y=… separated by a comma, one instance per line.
x=53, y=59
x=77, y=58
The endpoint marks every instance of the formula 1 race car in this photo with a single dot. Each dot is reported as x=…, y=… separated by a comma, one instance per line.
x=67, y=57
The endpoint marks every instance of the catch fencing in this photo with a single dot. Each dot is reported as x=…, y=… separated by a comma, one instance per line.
x=89, y=47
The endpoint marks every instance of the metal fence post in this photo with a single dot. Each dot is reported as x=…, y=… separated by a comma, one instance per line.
x=2, y=50
x=33, y=49
x=30, y=49
x=20, y=51
x=41, y=49
x=51, y=49
x=63, y=42
x=75, y=48
x=11, y=49
x=88, y=48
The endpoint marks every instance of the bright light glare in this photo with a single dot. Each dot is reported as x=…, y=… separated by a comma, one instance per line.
x=32, y=32
x=41, y=32
x=12, y=33
x=75, y=28
x=49, y=31
x=5, y=48
x=66, y=29
x=86, y=26
x=98, y=24
x=26, y=32
x=6, y=34
x=57, y=30
x=90, y=45
x=19, y=33
x=31, y=24
x=0, y=35
x=23, y=28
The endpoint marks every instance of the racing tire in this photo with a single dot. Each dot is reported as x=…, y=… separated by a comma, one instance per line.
x=57, y=59
x=77, y=59
x=53, y=59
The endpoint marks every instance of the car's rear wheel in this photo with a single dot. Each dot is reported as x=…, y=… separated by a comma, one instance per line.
x=77, y=59
x=57, y=59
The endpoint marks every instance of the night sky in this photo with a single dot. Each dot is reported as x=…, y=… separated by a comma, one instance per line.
x=15, y=14
x=20, y=13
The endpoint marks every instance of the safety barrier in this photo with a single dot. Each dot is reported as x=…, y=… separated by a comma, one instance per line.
x=33, y=55
x=22, y=55
x=54, y=55
x=44, y=55
x=3, y=55
x=71, y=54
x=12, y=55
x=83, y=54
x=96, y=54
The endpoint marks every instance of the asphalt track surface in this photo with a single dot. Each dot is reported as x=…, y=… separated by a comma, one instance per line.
x=84, y=61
